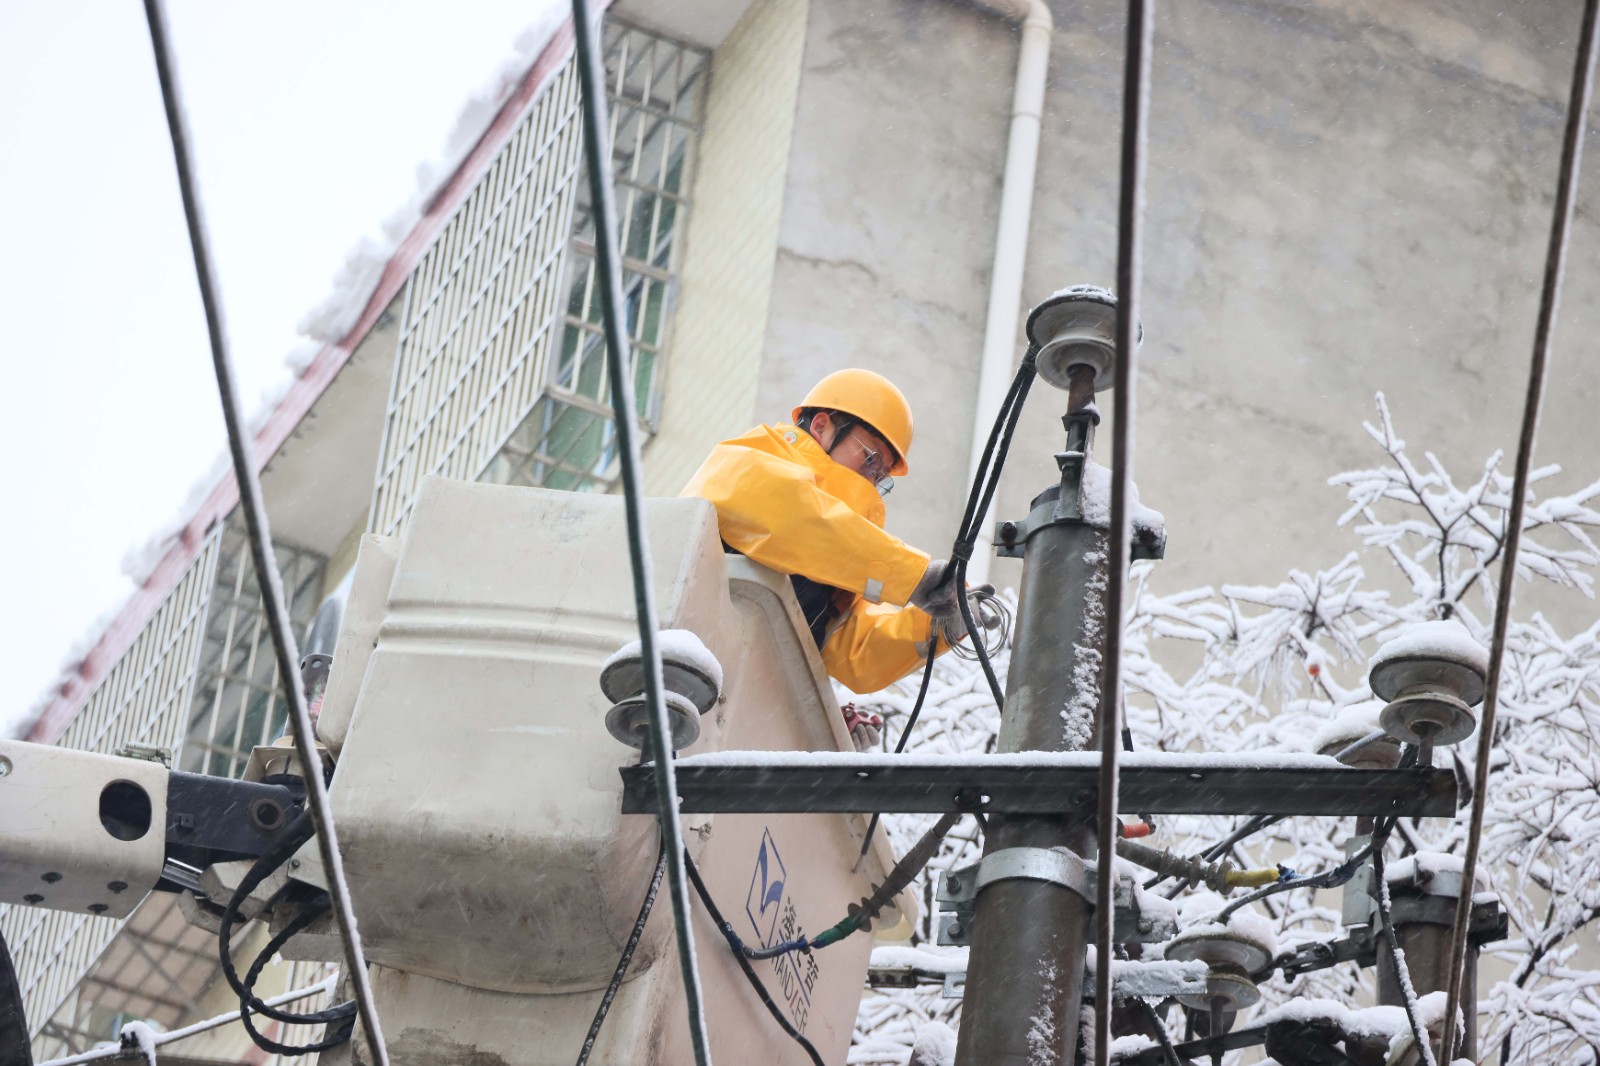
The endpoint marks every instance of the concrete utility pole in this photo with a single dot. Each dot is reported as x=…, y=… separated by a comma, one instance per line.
x=1031, y=920
x=1422, y=908
x=1025, y=971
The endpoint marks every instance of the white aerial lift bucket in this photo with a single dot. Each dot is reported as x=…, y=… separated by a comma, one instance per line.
x=477, y=791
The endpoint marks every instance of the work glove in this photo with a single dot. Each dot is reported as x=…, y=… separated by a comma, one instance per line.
x=865, y=729
x=954, y=627
x=937, y=593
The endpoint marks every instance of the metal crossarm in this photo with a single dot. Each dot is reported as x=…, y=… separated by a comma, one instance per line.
x=1036, y=784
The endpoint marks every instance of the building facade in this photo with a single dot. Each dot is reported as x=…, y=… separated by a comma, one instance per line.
x=1343, y=198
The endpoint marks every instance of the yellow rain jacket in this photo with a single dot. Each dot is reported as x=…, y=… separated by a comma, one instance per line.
x=782, y=501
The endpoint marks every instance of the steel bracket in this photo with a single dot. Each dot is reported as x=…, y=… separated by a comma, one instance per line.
x=1052, y=507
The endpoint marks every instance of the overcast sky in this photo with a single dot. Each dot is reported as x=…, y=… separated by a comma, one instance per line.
x=309, y=122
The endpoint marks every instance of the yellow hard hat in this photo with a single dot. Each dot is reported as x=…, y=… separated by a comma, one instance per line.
x=873, y=399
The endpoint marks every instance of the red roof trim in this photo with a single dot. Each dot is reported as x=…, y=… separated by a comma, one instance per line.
x=73, y=692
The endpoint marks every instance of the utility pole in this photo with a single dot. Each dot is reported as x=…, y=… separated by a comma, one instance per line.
x=1422, y=909
x=1030, y=925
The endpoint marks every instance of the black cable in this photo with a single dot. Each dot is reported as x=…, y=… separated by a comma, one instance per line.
x=334, y=1036
x=987, y=480
x=905, y=735
x=1162, y=1036
x=15, y=1046
x=744, y=964
x=1327, y=879
x=299, y=831
x=1253, y=825
x=627, y=955
x=997, y=449
x=1402, y=975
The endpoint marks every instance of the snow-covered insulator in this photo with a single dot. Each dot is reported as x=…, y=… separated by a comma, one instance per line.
x=1431, y=676
x=629, y=721
x=687, y=668
x=1343, y=736
x=1231, y=954
x=1076, y=326
x=692, y=677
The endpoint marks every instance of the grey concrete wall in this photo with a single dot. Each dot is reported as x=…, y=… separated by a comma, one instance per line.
x=1345, y=196
x=888, y=226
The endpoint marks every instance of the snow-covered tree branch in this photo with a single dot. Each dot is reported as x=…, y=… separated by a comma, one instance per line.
x=1236, y=668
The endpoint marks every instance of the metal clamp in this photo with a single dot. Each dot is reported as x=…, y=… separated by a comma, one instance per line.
x=959, y=889
x=1057, y=866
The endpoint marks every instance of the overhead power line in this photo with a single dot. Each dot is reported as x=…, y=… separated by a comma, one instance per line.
x=1135, y=115
x=1549, y=304
x=619, y=367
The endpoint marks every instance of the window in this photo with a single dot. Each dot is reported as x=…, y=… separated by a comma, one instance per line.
x=655, y=92
x=238, y=702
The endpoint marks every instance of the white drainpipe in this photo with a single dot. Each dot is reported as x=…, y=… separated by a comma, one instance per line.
x=1011, y=240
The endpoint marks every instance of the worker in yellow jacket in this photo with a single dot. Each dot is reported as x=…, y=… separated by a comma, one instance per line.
x=806, y=499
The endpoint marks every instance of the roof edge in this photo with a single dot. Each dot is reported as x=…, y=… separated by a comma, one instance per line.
x=80, y=680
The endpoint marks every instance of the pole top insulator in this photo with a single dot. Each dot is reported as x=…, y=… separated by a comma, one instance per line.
x=1076, y=326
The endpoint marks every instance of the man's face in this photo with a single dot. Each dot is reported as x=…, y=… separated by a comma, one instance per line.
x=855, y=447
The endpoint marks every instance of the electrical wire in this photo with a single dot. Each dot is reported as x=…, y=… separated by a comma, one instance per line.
x=1327, y=879
x=1135, y=115
x=260, y=536
x=1380, y=837
x=990, y=465
x=297, y=833
x=627, y=956
x=619, y=369
x=1253, y=825
x=1163, y=1037
x=744, y=965
x=979, y=499
x=1549, y=303
x=333, y=1036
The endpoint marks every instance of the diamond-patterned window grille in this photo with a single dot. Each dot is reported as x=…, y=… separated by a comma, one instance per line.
x=238, y=702
x=655, y=90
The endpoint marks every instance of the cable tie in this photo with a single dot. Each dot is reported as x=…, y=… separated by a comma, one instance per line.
x=962, y=550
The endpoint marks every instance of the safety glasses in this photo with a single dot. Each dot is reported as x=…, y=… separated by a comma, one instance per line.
x=875, y=468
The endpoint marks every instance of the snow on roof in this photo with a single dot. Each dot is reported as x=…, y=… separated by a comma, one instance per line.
x=335, y=327
x=363, y=267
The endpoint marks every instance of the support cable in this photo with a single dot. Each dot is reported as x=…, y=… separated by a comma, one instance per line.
x=619, y=367
x=1549, y=304
x=1135, y=114
x=267, y=576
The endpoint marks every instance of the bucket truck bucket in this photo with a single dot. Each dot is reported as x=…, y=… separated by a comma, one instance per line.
x=477, y=792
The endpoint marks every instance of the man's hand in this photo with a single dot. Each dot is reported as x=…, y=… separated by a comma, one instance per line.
x=865, y=729
x=953, y=627
x=937, y=593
